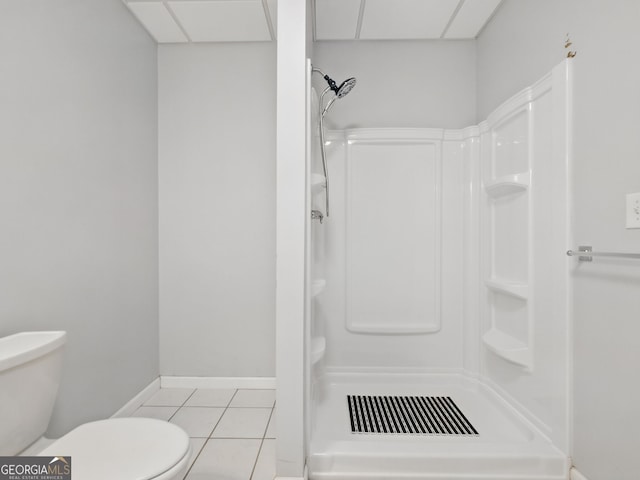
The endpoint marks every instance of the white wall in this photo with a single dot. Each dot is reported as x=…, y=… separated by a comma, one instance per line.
x=522, y=42
x=78, y=195
x=401, y=83
x=217, y=209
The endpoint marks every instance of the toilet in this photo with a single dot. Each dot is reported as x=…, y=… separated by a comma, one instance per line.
x=116, y=448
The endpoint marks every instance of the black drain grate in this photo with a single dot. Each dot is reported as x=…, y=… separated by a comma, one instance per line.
x=407, y=415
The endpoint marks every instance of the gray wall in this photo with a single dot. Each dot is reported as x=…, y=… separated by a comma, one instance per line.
x=401, y=83
x=78, y=205
x=524, y=40
x=217, y=209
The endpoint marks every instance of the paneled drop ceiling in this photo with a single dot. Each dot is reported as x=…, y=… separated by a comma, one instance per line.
x=183, y=21
x=401, y=19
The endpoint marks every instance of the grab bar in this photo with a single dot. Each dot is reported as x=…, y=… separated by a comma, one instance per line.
x=585, y=254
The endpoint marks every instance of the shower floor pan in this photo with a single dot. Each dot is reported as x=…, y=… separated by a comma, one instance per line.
x=507, y=447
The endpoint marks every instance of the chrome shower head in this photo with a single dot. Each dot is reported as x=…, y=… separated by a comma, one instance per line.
x=342, y=90
x=346, y=87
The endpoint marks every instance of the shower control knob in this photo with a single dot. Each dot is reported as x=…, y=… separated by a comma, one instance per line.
x=317, y=215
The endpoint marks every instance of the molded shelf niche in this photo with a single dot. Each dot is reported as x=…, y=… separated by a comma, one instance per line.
x=318, y=183
x=508, y=347
x=318, y=347
x=517, y=290
x=508, y=185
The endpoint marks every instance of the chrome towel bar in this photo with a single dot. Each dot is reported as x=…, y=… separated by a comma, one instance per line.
x=585, y=253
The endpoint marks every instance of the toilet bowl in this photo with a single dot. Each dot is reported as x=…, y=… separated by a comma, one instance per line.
x=117, y=448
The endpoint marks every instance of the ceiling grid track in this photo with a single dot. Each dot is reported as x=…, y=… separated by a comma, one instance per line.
x=270, y=23
x=452, y=19
x=211, y=21
x=363, y=5
x=175, y=19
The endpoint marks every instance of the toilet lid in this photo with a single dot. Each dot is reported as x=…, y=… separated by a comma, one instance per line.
x=121, y=448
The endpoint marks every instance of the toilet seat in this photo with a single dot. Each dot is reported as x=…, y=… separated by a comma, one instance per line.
x=124, y=449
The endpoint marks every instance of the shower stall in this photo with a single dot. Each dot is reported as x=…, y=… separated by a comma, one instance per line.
x=437, y=329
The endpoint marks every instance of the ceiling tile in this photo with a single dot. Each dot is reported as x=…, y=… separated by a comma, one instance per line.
x=337, y=19
x=222, y=21
x=405, y=19
x=471, y=17
x=158, y=21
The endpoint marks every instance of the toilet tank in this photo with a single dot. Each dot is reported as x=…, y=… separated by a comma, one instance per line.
x=30, y=367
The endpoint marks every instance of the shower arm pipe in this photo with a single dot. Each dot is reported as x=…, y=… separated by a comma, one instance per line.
x=317, y=70
x=323, y=154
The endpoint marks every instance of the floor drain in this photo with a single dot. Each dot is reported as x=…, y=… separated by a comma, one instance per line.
x=407, y=415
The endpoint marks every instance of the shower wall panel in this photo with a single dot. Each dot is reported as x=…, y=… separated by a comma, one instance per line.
x=525, y=223
x=392, y=251
x=393, y=236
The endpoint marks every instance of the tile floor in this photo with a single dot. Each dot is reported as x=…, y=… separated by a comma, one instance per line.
x=232, y=431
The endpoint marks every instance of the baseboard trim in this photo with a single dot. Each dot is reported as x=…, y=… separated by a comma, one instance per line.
x=576, y=475
x=135, y=403
x=257, y=383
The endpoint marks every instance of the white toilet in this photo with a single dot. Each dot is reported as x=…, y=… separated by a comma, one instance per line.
x=117, y=448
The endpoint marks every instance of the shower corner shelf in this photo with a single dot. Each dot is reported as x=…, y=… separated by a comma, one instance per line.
x=318, y=182
x=317, y=286
x=508, y=347
x=517, y=290
x=508, y=185
x=318, y=347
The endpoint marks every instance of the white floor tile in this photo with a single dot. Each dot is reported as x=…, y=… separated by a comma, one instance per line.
x=254, y=398
x=160, y=413
x=197, y=421
x=271, y=429
x=266, y=464
x=228, y=459
x=210, y=398
x=196, y=446
x=170, y=397
x=242, y=423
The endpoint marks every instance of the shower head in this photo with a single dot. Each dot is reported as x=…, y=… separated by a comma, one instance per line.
x=342, y=90
x=346, y=87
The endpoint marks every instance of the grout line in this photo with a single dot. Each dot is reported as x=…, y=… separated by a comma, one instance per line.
x=257, y=389
x=234, y=438
x=180, y=406
x=264, y=435
x=223, y=413
x=206, y=440
x=255, y=464
x=187, y=399
x=245, y=407
x=232, y=397
x=202, y=406
x=195, y=459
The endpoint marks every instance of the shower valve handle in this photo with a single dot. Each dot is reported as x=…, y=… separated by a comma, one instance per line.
x=317, y=215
